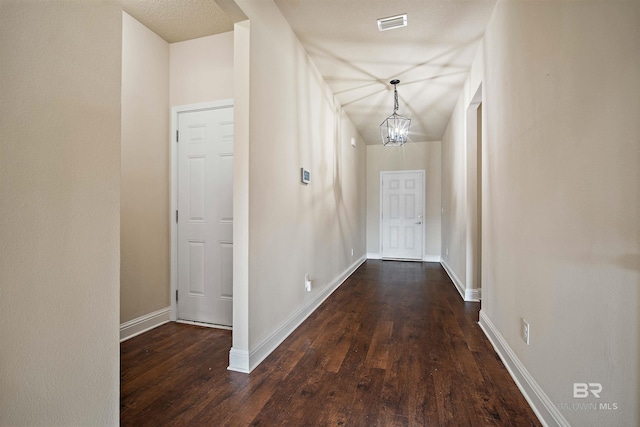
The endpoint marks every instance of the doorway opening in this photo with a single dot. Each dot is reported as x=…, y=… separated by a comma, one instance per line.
x=202, y=225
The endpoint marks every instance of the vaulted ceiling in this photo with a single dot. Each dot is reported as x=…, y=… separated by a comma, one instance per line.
x=430, y=56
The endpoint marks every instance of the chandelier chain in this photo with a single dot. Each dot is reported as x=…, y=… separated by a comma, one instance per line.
x=395, y=98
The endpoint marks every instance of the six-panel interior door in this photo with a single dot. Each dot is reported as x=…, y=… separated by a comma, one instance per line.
x=205, y=216
x=402, y=214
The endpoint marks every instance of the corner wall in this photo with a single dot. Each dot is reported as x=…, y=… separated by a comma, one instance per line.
x=292, y=229
x=60, y=207
x=144, y=272
x=561, y=202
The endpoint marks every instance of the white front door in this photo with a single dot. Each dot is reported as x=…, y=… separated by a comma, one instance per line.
x=402, y=214
x=205, y=216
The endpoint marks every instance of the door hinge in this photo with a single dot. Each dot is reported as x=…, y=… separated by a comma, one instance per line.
x=176, y=216
x=176, y=295
x=177, y=136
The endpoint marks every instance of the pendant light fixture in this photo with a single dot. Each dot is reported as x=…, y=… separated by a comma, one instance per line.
x=395, y=128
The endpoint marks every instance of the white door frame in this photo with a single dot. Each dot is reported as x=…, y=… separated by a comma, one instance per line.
x=424, y=202
x=175, y=111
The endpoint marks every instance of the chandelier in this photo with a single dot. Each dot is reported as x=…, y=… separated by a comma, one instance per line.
x=395, y=128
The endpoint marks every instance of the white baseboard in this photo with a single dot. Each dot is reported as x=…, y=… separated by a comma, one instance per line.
x=472, y=295
x=144, y=323
x=426, y=258
x=542, y=406
x=469, y=295
x=240, y=361
x=204, y=324
x=457, y=282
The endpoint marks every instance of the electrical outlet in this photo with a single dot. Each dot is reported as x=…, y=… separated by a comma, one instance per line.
x=524, y=330
x=307, y=283
x=352, y=252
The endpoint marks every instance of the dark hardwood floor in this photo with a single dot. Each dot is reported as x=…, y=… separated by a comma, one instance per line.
x=395, y=345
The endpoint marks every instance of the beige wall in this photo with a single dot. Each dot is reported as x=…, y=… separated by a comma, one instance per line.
x=202, y=69
x=454, y=193
x=144, y=214
x=561, y=197
x=411, y=156
x=293, y=229
x=59, y=203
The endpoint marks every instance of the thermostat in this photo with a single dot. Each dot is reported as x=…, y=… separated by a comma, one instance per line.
x=305, y=176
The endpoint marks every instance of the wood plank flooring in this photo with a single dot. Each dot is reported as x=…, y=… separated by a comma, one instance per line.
x=395, y=345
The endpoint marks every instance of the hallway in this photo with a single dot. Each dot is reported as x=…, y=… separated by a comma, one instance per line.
x=395, y=345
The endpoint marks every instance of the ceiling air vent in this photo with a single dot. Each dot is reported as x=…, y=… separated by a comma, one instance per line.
x=392, y=22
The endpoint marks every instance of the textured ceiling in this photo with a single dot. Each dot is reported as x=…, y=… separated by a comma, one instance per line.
x=180, y=20
x=431, y=56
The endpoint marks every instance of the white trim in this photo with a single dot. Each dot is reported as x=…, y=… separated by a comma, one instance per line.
x=205, y=325
x=473, y=295
x=224, y=103
x=402, y=259
x=425, y=258
x=237, y=358
x=144, y=323
x=238, y=361
x=457, y=282
x=469, y=295
x=542, y=406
